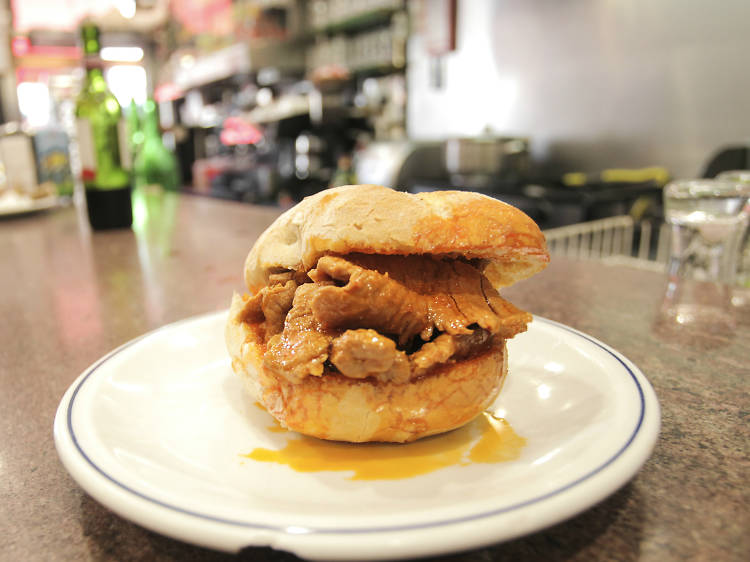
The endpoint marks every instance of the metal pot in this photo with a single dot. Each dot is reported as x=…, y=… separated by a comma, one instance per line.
x=487, y=156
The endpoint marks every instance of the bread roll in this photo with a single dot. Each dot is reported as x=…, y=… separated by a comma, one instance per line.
x=372, y=219
x=337, y=408
x=499, y=240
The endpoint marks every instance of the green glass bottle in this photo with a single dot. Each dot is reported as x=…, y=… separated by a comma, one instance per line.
x=135, y=134
x=107, y=183
x=154, y=165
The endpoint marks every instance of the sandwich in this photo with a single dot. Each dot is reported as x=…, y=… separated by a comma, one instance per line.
x=374, y=314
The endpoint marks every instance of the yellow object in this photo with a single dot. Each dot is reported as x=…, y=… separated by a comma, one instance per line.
x=574, y=179
x=656, y=174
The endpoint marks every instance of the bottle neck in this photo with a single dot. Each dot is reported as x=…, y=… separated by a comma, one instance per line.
x=150, y=123
x=90, y=43
x=95, y=81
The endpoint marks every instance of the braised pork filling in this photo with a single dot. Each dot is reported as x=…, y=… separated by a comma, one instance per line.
x=394, y=318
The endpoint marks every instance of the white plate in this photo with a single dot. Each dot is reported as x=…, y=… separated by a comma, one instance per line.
x=13, y=206
x=157, y=430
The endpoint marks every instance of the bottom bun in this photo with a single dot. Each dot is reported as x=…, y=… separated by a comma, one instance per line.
x=338, y=408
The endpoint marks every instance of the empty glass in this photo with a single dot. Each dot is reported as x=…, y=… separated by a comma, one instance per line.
x=741, y=295
x=708, y=220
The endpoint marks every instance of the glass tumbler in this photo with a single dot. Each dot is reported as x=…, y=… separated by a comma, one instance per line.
x=742, y=282
x=708, y=220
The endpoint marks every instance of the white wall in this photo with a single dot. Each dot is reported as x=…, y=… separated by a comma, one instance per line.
x=593, y=83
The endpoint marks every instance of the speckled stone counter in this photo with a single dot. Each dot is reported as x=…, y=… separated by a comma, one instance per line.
x=68, y=296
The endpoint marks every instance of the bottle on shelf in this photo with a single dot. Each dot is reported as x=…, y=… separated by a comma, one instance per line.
x=344, y=174
x=154, y=164
x=107, y=183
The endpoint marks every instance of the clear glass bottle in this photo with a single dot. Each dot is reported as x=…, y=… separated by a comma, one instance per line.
x=106, y=182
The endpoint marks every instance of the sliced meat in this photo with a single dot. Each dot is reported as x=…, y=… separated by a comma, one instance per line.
x=271, y=304
x=427, y=280
x=302, y=348
x=465, y=287
x=406, y=296
x=276, y=302
x=511, y=319
x=459, y=295
x=360, y=354
x=447, y=347
x=432, y=353
x=282, y=277
x=368, y=299
x=393, y=318
x=252, y=312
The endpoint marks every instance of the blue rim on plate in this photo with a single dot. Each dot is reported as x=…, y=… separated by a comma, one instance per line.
x=362, y=530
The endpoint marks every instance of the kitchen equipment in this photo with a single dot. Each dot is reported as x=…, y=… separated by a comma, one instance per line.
x=400, y=164
x=479, y=161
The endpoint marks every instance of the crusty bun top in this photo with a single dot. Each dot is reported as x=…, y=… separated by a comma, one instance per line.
x=372, y=219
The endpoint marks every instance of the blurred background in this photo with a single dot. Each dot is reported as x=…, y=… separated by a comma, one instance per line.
x=573, y=111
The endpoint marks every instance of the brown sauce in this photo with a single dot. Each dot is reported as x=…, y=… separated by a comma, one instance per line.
x=487, y=439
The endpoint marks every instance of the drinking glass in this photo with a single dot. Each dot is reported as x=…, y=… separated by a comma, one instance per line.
x=708, y=220
x=741, y=295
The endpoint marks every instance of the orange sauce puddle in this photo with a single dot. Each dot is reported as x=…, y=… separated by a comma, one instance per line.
x=487, y=439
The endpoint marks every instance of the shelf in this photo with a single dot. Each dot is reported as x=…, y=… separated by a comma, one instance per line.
x=283, y=108
x=376, y=70
x=287, y=56
x=359, y=22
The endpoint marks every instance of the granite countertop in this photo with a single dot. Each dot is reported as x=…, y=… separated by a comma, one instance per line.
x=68, y=296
